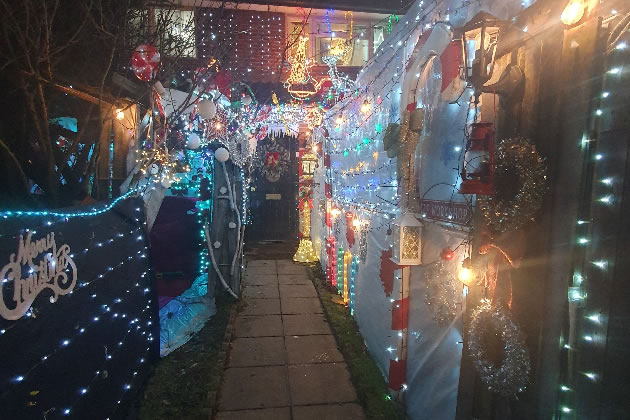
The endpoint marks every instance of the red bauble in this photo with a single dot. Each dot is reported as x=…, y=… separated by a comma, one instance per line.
x=145, y=61
x=447, y=254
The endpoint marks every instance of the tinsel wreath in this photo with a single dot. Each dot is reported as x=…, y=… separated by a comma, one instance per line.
x=511, y=375
x=519, y=186
x=442, y=293
x=273, y=161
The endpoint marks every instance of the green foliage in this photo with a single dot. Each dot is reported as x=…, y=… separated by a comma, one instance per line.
x=366, y=376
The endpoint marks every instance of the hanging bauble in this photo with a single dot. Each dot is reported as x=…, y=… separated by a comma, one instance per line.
x=231, y=225
x=223, y=190
x=222, y=154
x=144, y=62
x=447, y=254
x=216, y=244
x=207, y=109
x=193, y=141
x=509, y=375
x=154, y=169
x=166, y=183
x=247, y=100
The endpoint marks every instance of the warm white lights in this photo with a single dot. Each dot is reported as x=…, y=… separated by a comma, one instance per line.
x=573, y=12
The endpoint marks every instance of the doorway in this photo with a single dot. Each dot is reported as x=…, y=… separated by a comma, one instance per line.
x=274, y=194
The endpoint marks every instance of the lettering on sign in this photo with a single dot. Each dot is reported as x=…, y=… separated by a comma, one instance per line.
x=447, y=211
x=30, y=277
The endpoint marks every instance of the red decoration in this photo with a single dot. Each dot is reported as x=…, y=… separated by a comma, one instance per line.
x=223, y=80
x=349, y=229
x=327, y=161
x=400, y=314
x=387, y=271
x=478, y=167
x=447, y=254
x=397, y=374
x=328, y=190
x=451, y=60
x=145, y=61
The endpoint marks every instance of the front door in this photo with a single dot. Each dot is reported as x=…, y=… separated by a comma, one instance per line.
x=274, y=195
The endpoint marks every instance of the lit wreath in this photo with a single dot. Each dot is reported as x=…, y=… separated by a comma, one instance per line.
x=511, y=375
x=442, y=293
x=519, y=186
x=273, y=161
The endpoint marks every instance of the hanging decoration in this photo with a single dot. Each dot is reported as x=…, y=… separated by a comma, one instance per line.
x=305, y=197
x=442, y=293
x=145, y=61
x=363, y=245
x=520, y=184
x=300, y=84
x=275, y=161
x=510, y=375
x=350, y=228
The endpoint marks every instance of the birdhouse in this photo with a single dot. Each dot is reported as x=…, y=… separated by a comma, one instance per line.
x=478, y=166
x=406, y=236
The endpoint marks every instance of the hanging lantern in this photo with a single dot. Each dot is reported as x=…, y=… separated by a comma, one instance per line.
x=406, y=234
x=478, y=166
x=309, y=163
x=480, y=38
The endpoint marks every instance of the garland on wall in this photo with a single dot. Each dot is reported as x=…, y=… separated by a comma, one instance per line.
x=521, y=183
x=491, y=327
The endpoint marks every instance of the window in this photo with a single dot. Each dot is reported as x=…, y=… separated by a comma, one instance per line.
x=335, y=42
x=176, y=32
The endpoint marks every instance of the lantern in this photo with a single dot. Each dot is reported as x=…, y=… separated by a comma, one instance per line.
x=478, y=166
x=309, y=163
x=480, y=37
x=406, y=234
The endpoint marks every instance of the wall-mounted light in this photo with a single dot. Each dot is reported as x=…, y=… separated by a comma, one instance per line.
x=573, y=12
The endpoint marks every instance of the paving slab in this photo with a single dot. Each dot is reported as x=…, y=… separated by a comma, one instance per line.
x=262, y=269
x=301, y=306
x=261, y=307
x=254, y=387
x=348, y=411
x=260, y=351
x=291, y=269
x=283, y=413
x=258, y=263
x=289, y=291
x=260, y=292
x=294, y=279
x=305, y=324
x=261, y=280
x=258, y=326
x=320, y=384
x=302, y=349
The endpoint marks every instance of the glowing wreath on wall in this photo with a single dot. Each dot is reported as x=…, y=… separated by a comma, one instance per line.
x=274, y=161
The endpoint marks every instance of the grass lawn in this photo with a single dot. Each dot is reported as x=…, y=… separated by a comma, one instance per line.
x=366, y=376
x=182, y=383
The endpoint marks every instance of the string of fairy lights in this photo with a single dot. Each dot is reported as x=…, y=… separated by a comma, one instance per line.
x=109, y=313
x=590, y=266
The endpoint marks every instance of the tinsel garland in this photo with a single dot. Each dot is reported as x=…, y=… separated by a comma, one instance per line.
x=363, y=245
x=442, y=293
x=512, y=375
x=515, y=156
